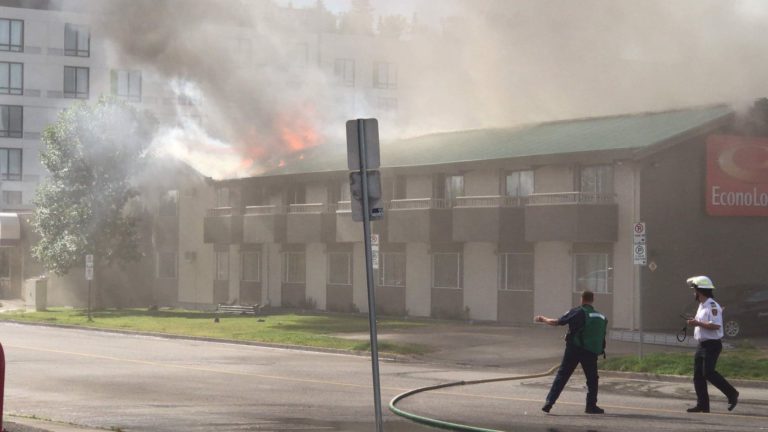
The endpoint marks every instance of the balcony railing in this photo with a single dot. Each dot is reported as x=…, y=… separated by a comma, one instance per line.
x=571, y=198
x=220, y=211
x=418, y=204
x=263, y=210
x=314, y=208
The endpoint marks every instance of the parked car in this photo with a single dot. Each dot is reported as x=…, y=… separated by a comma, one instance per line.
x=745, y=309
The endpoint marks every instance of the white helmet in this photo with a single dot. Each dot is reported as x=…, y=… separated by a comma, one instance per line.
x=702, y=282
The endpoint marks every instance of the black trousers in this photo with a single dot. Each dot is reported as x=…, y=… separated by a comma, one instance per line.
x=571, y=358
x=704, y=363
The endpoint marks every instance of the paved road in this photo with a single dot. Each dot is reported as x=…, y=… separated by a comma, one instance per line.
x=138, y=383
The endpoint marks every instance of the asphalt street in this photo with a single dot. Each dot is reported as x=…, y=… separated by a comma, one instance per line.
x=139, y=383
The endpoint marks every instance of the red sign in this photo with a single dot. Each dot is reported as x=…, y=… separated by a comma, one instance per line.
x=737, y=176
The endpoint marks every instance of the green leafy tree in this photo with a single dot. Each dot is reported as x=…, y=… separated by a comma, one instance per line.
x=93, y=153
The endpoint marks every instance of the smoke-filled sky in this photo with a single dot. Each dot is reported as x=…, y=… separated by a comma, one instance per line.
x=471, y=64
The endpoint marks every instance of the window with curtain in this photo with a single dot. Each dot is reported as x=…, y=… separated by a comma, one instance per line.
x=340, y=268
x=591, y=271
x=446, y=270
x=11, y=35
x=294, y=267
x=516, y=271
x=11, y=119
x=11, y=78
x=77, y=40
x=251, y=270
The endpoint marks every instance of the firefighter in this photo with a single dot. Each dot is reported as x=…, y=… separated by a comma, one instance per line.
x=708, y=330
x=584, y=341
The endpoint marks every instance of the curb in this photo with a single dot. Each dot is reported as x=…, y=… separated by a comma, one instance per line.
x=678, y=378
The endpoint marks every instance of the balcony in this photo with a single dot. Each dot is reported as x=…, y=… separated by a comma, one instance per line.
x=572, y=217
x=305, y=223
x=421, y=220
x=492, y=218
x=264, y=224
x=222, y=226
x=347, y=230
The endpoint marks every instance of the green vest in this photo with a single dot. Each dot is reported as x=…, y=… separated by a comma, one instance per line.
x=592, y=336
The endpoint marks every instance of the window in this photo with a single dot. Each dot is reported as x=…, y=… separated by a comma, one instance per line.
x=591, y=272
x=344, y=71
x=166, y=265
x=222, y=197
x=11, y=35
x=251, y=266
x=516, y=271
x=296, y=194
x=596, y=179
x=11, y=198
x=11, y=78
x=446, y=270
x=294, y=267
x=518, y=184
x=222, y=265
x=393, y=188
x=10, y=164
x=169, y=203
x=340, y=268
x=11, y=119
x=127, y=84
x=392, y=269
x=76, y=82
x=384, y=75
x=454, y=187
x=77, y=40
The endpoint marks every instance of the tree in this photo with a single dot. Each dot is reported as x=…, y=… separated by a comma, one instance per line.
x=93, y=153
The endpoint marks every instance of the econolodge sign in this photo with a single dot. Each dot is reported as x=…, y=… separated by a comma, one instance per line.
x=737, y=176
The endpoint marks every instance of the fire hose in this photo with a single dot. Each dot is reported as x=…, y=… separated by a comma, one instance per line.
x=448, y=425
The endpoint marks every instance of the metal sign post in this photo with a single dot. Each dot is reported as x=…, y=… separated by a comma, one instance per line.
x=89, y=278
x=362, y=163
x=640, y=258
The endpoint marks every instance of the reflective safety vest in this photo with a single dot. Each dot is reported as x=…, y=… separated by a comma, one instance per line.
x=592, y=335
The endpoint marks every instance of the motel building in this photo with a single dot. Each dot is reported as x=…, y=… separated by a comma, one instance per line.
x=493, y=225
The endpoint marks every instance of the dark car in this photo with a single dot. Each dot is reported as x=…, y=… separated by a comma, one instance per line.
x=745, y=309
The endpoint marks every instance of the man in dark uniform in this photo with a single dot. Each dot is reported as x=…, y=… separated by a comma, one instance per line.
x=584, y=341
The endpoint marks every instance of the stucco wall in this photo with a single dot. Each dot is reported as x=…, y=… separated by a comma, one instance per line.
x=417, y=279
x=316, y=274
x=480, y=285
x=552, y=278
x=418, y=187
x=481, y=183
x=553, y=178
x=623, y=267
x=196, y=264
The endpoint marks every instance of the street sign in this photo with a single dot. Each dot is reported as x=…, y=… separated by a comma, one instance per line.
x=371, y=136
x=639, y=248
x=375, y=205
x=639, y=254
x=375, y=251
x=89, y=267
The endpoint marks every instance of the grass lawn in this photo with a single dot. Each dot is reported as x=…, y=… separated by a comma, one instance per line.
x=293, y=329
x=743, y=362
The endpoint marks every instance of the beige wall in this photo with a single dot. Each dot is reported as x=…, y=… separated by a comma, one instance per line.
x=553, y=178
x=552, y=278
x=481, y=183
x=418, y=272
x=623, y=267
x=480, y=285
x=195, y=275
x=234, y=272
x=316, y=273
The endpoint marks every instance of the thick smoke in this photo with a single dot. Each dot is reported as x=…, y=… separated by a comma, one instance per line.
x=264, y=92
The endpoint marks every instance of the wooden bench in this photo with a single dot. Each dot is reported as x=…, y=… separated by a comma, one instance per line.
x=239, y=309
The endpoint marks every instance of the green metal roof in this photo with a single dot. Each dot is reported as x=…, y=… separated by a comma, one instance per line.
x=625, y=132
